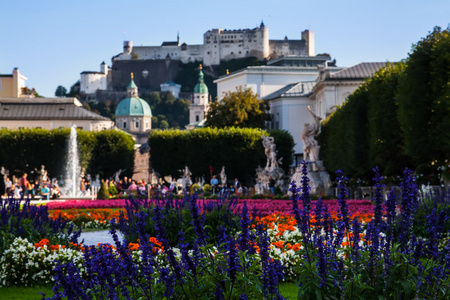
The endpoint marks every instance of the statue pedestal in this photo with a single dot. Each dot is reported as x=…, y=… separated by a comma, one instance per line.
x=319, y=180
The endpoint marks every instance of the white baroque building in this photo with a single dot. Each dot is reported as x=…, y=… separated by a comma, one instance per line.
x=221, y=45
x=91, y=81
x=290, y=85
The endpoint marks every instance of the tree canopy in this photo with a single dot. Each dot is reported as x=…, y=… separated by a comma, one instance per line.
x=60, y=91
x=167, y=111
x=241, y=108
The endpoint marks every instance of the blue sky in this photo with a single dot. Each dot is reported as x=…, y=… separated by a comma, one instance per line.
x=52, y=42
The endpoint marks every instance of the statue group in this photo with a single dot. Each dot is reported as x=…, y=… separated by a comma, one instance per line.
x=272, y=168
x=319, y=180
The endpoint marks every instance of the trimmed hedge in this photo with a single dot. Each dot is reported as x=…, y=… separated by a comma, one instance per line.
x=399, y=117
x=240, y=150
x=101, y=153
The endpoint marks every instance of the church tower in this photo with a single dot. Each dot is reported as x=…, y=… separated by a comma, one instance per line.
x=200, y=103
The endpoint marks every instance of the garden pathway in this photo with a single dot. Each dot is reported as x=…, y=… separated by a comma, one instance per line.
x=95, y=237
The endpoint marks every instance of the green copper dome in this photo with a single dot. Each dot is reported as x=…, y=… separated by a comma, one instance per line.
x=200, y=87
x=133, y=107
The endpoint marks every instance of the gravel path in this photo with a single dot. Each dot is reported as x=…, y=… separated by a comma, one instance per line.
x=95, y=237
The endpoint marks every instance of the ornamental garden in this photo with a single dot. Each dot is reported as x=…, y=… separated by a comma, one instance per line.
x=392, y=245
x=228, y=248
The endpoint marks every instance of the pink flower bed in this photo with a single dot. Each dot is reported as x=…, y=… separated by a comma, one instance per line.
x=77, y=204
x=268, y=207
x=265, y=206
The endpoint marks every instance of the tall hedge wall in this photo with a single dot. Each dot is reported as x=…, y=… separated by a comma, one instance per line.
x=101, y=153
x=398, y=118
x=240, y=150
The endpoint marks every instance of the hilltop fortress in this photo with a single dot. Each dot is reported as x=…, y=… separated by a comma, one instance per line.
x=157, y=66
x=222, y=45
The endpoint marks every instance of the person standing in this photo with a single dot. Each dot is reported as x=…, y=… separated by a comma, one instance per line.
x=272, y=185
x=8, y=186
x=214, y=184
x=237, y=186
x=24, y=184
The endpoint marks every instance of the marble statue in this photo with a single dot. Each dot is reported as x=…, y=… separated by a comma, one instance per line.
x=223, y=176
x=43, y=175
x=310, y=145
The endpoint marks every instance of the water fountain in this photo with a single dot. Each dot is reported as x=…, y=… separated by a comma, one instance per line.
x=72, y=176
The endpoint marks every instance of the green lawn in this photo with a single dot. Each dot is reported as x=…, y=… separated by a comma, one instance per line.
x=289, y=290
x=24, y=293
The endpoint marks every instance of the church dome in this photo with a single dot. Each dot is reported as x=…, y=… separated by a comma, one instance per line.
x=200, y=87
x=133, y=107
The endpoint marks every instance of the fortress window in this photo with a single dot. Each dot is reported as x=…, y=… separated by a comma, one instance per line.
x=197, y=118
x=124, y=124
x=137, y=125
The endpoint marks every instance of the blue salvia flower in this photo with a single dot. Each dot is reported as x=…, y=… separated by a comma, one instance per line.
x=409, y=205
x=263, y=245
x=356, y=239
x=343, y=192
x=233, y=260
x=378, y=196
x=244, y=236
x=322, y=263
x=157, y=218
x=433, y=234
x=305, y=188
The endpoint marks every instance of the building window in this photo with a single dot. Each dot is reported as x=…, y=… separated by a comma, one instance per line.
x=124, y=124
x=197, y=118
x=80, y=128
x=146, y=125
x=137, y=125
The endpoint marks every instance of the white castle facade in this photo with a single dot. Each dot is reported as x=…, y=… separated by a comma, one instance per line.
x=222, y=45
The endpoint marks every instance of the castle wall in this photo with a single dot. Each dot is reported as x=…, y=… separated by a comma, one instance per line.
x=159, y=71
x=90, y=82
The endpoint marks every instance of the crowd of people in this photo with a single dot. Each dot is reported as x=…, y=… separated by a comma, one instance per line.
x=23, y=188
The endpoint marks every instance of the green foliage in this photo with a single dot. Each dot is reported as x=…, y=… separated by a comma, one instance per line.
x=169, y=111
x=206, y=188
x=285, y=146
x=75, y=90
x=112, y=190
x=103, y=192
x=114, y=150
x=241, y=108
x=240, y=150
x=60, y=91
x=424, y=99
x=101, y=153
x=105, y=109
x=176, y=219
x=399, y=117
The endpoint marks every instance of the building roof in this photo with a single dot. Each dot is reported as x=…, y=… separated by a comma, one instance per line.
x=299, y=89
x=133, y=106
x=198, y=124
x=170, y=43
x=359, y=71
x=45, y=109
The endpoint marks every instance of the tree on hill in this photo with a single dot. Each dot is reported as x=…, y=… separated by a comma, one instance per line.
x=60, y=91
x=241, y=108
x=167, y=111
